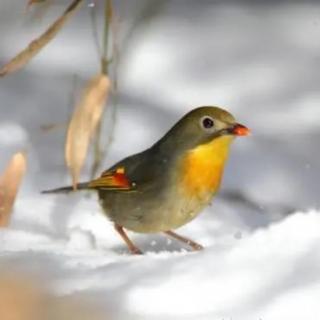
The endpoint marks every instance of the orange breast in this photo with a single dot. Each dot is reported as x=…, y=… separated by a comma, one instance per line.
x=202, y=168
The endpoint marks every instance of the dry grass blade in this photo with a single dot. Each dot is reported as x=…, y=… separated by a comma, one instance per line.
x=84, y=122
x=9, y=185
x=36, y=45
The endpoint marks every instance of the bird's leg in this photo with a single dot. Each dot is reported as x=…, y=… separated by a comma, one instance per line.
x=132, y=248
x=191, y=243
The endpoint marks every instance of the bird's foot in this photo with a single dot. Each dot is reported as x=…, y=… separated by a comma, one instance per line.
x=194, y=245
x=135, y=250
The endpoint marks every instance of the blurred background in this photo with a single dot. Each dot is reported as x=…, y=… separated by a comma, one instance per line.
x=258, y=59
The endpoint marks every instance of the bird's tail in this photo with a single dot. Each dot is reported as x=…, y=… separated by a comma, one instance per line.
x=80, y=186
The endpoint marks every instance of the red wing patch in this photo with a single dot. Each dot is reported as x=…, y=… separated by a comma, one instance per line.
x=112, y=180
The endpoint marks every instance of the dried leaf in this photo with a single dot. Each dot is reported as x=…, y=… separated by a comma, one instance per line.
x=84, y=122
x=20, y=298
x=25, y=297
x=36, y=45
x=9, y=185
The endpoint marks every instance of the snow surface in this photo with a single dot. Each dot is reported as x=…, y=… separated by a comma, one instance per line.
x=258, y=59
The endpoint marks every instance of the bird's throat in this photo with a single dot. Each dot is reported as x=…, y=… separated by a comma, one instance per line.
x=202, y=167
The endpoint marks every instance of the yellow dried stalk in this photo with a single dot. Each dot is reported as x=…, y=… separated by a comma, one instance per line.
x=36, y=45
x=9, y=185
x=84, y=122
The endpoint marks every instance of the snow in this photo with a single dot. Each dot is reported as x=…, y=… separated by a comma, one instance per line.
x=260, y=61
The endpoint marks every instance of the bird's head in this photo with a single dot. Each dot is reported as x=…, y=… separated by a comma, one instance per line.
x=201, y=126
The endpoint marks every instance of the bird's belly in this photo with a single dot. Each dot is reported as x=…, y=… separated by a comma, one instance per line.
x=163, y=218
x=183, y=211
x=156, y=215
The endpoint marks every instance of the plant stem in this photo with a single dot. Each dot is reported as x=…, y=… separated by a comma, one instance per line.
x=94, y=26
x=105, y=43
x=99, y=152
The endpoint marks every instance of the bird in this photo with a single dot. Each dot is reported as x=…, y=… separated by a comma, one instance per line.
x=167, y=185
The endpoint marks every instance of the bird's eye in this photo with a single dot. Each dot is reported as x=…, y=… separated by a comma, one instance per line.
x=207, y=122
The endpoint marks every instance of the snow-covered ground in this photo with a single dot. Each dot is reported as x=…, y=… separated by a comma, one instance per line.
x=260, y=60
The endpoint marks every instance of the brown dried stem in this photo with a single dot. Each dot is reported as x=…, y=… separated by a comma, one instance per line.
x=99, y=151
x=36, y=45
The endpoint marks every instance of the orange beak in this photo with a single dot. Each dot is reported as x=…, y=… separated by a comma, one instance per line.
x=240, y=130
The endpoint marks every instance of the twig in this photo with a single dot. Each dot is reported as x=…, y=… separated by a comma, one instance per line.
x=99, y=152
x=35, y=46
x=105, y=42
x=93, y=19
